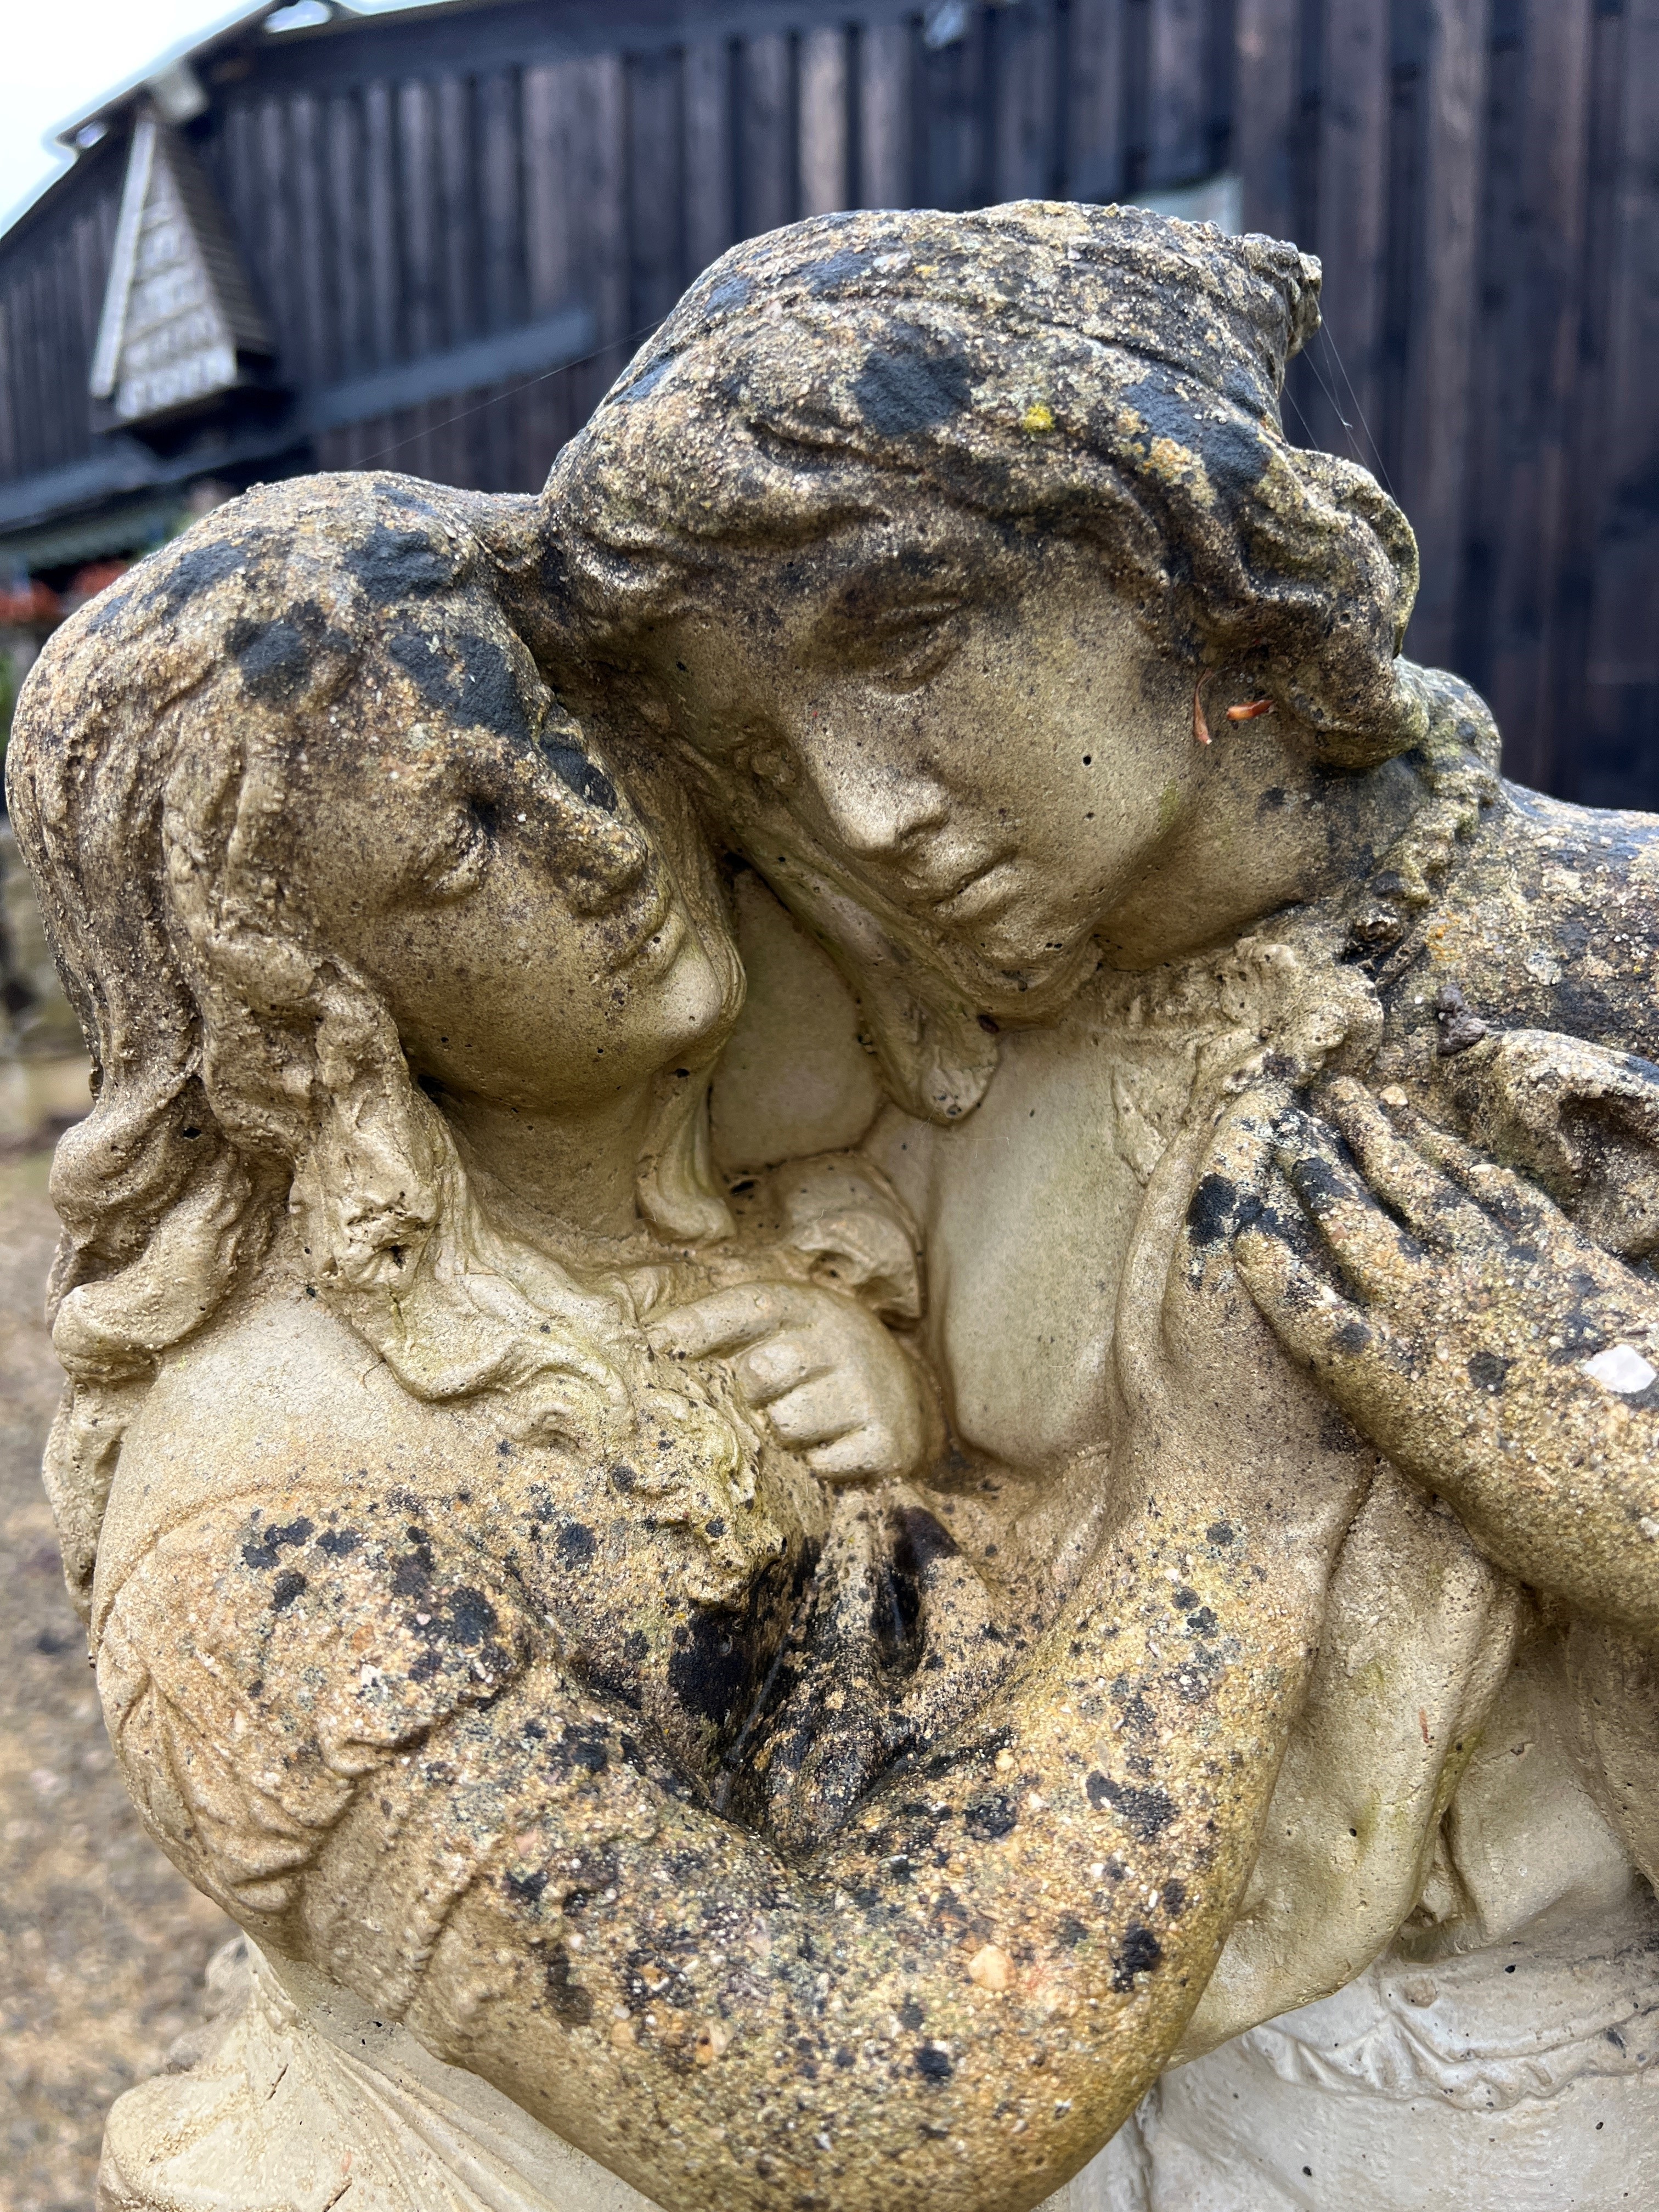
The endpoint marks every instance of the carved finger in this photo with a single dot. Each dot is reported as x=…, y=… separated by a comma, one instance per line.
x=724, y=1320
x=868, y=1450
x=780, y=1363
x=1380, y=1262
x=1343, y=1343
x=1516, y=1203
x=1432, y=1207
x=817, y=1412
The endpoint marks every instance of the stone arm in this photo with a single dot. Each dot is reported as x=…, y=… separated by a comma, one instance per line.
x=345, y=1717
x=1477, y=1336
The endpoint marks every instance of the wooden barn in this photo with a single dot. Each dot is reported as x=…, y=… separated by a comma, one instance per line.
x=429, y=238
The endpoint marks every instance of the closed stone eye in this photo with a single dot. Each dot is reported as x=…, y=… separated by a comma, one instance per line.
x=456, y=863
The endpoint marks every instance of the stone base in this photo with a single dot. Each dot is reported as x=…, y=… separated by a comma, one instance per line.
x=298, y=2098
x=1462, y=2087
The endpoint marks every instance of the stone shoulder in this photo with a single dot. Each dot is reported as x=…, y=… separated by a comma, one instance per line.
x=279, y=1396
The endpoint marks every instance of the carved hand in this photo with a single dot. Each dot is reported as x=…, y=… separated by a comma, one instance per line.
x=1475, y=1336
x=834, y=1384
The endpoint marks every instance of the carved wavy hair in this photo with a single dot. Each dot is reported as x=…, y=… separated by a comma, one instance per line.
x=1109, y=373
x=241, y=1065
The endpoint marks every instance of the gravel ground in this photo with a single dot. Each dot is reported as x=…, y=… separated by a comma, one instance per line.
x=102, y=1945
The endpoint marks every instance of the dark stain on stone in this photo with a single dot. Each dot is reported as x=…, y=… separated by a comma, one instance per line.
x=932, y=2062
x=1209, y=1215
x=710, y=1673
x=261, y=1553
x=904, y=390
x=988, y=1819
x=577, y=773
x=1489, y=1370
x=1145, y=1813
x=848, y=266
x=1140, y=1953
x=576, y=1544
x=275, y=659
x=287, y=1586
x=392, y=564
x=570, y=2002
x=1234, y=453
x=197, y=569
x=470, y=677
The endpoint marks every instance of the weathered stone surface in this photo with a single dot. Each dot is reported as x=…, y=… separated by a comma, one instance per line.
x=808, y=1676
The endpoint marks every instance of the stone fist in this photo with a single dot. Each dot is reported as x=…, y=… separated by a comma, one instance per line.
x=835, y=1385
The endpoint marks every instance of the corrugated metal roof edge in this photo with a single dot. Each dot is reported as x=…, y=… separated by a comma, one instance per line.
x=229, y=28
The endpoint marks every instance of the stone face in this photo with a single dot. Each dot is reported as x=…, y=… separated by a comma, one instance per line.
x=805, y=1652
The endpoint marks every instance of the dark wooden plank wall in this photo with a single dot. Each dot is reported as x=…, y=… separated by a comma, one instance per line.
x=392, y=217
x=1480, y=176
x=51, y=296
x=1481, y=179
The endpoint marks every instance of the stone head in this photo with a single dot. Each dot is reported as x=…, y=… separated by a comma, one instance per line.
x=919, y=534
x=316, y=848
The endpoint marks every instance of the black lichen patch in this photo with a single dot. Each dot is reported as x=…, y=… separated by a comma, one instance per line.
x=197, y=569
x=469, y=1620
x=580, y=1750
x=934, y=2062
x=576, y=1544
x=1234, y=453
x=569, y=2001
x=287, y=1586
x=1488, y=1371
x=1145, y=1813
x=392, y=564
x=1141, y=1952
x=712, y=1671
x=990, y=1819
x=1211, y=1213
x=467, y=676
x=260, y=1552
x=838, y=273
x=275, y=659
x=907, y=385
x=576, y=772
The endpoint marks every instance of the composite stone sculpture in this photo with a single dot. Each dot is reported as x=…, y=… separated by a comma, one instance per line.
x=839, y=1602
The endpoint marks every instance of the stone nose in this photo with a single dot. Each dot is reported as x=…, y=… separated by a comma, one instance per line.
x=878, y=813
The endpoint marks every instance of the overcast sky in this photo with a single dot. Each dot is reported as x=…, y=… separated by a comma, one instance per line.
x=59, y=57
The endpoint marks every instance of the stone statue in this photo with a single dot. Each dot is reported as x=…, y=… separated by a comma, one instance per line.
x=806, y=1655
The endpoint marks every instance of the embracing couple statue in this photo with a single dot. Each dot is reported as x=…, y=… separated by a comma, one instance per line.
x=1044, y=1537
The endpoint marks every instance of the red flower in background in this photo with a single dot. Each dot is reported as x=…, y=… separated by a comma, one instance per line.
x=31, y=601
x=91, y=580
